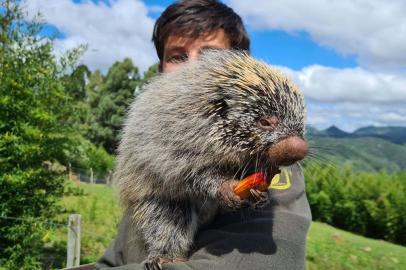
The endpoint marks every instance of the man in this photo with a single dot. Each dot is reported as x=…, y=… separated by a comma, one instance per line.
x=270, y=238
x=185, y=28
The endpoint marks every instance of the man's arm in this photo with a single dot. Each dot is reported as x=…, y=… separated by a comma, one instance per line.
x=269, y=238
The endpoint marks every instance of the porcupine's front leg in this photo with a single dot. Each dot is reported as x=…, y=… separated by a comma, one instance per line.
x=222, y=189
x=217, y=187
x=258, y=198
x=168, y=229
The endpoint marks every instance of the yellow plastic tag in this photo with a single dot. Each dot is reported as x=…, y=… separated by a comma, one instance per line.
x=276, y=182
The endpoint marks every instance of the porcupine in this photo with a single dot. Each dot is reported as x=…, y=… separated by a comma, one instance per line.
x=192, y=133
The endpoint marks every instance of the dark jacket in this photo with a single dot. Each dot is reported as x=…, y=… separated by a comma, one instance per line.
x=270, y=238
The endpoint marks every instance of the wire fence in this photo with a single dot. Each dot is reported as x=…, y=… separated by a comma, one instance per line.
x=51, y=224
x=73, y=231
x=89, y=176
x=70, y=245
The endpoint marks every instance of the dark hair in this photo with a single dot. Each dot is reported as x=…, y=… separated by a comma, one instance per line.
x=192, y=18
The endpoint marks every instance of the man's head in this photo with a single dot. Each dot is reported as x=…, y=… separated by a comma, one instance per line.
x=187, y=27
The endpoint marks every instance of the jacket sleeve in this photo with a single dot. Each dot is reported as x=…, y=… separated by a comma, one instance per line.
x=270, y=238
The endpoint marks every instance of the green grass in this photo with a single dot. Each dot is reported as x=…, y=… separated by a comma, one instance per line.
x=331, y=248
x=327, y=247
x=100, y=216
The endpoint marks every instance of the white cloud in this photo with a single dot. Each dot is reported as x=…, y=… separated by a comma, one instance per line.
x=352, y=97
x=392, y=117
x=374, y=30
x=328, y=84
x=114, y=31
x=350, y=116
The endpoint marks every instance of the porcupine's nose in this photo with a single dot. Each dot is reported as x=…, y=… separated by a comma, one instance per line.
x=288, y=151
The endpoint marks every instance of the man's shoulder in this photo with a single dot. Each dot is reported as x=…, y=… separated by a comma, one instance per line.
x=288, y=185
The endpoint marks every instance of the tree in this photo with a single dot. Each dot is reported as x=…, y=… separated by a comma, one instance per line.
x=75, y=83
x=75, y=87
x=151, y=72
x=33, y=137
x=115, y=95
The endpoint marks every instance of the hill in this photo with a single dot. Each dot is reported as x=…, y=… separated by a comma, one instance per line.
x=370, y=148
x=393, y=134
x=370, y=154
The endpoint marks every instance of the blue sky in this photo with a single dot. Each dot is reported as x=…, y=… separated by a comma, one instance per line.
x=348, y=57
x=295, y=50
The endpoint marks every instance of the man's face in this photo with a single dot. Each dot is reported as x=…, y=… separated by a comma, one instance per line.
x=179, y=50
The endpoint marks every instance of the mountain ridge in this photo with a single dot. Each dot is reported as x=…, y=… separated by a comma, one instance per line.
x=395, y=134
x=368, y=148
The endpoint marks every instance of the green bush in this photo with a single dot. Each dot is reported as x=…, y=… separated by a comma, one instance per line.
x=81, y=153
x=33, y=138
x=367, y=203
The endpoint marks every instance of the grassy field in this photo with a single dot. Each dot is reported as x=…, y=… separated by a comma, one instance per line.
x=331, y=248
x=327, y=247
x=100, y=215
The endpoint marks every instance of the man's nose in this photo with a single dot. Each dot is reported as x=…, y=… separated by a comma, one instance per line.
x=193, y=55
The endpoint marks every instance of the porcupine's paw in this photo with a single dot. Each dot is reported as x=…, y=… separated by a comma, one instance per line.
x=155, y=263
x=228, y=198
x=259, y=199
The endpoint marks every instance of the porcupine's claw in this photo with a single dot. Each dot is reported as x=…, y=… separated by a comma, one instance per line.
x=260, y=198
x=153, y=264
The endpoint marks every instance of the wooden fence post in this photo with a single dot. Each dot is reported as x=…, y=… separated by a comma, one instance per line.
x=73, y=249
x=109, y=178
x=91, y=176
x=70, y=171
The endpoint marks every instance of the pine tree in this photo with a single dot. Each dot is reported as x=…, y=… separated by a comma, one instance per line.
x=115, y=95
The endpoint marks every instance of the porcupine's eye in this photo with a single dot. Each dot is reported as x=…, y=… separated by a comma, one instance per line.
x=268, y=123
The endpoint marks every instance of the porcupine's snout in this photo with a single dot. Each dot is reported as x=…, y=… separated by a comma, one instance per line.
x=288, y=151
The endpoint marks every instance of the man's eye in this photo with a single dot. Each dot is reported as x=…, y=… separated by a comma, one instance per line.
x=178, y=58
